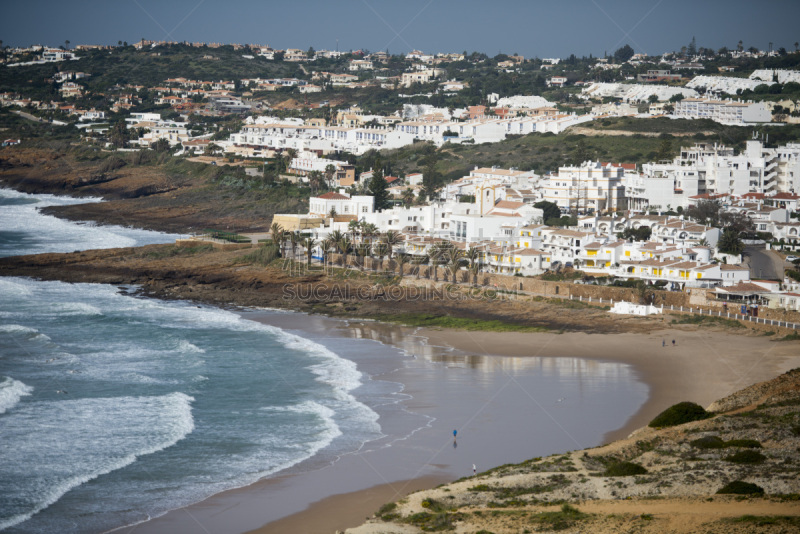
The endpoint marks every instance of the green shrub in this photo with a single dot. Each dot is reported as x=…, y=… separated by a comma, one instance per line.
x=746, y=457
x=386, y=510
x=744, y=443
x=264, y=255
x=739, y=487
x=715, y=442
x=624, y=469
x=678, y=414
x=709, y=442
x=561, y=520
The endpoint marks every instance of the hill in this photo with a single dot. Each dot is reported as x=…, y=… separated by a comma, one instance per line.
x=730, y=473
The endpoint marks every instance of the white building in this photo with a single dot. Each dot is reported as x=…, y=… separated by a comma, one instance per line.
x=590, y=186
x=710, y=170
x=420, y=76
x=343, y=204
x=735, y=113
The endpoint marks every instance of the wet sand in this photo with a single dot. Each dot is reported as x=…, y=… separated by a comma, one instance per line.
x=702, y=367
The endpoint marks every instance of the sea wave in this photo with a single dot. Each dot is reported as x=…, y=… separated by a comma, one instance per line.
x=53, y=447
x=21, y=330
x=343, y=376
x=187, y=347
x=77, y=308
x=14, y=288
x=11, y=392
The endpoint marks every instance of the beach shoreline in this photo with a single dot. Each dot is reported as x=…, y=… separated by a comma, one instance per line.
x=702, y=366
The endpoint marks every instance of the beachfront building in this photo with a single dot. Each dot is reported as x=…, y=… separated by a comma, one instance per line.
x=510, y=260
x=342, y=204
x=674, y=267
x=563, y=244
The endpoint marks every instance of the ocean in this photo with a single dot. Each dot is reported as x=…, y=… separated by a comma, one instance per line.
x=116, y=409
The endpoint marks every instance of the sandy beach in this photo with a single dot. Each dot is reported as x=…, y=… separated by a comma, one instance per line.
x=702, y=366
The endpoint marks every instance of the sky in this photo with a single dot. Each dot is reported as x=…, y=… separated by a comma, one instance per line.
x=533, y=28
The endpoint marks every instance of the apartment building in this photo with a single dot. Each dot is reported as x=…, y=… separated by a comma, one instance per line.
x=730, y=112
x=714, y=171
x=590, y=186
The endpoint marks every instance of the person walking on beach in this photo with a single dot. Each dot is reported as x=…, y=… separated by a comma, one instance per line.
x=474, y=470
x=455, y=432
x=673, y=342
x=663, y=342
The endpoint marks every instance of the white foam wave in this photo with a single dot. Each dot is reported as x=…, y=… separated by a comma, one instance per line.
x=341, y=374
x=187, y=347
x=60, y=445
x=17, y=329
x=20, y=330
x=14, y=289
x=45, y=233
x=11, y=392
x=77, y=308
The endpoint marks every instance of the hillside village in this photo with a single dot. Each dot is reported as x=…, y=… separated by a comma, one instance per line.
x=681, y=220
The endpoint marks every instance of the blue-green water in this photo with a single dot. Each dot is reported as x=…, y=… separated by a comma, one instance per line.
x=116, y=409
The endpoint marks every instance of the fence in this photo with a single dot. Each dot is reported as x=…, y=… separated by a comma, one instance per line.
x=737, y=316
x=683, y=309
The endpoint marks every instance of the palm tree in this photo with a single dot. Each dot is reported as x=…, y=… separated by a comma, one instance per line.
x=66, y=44
x=362, y=250
x=276, y=230
x=344, y=245
x=381, y=250
x=294, y=239
x=418, y=261
x=473, y=255
x=288, y=156
x=408, y=197
x=645, y=294
x=435, y=252
x=392, y=239
x=330, y=172
x=354, y=227
x=315, y=181
x=327, y=245
x=796, y=45
x=336, y=236
x=454, y=259
x=401, y=261
x=309, y=243
x=369, y=231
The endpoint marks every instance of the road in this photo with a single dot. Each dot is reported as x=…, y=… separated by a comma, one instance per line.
x=28, y=116
x=764, y=264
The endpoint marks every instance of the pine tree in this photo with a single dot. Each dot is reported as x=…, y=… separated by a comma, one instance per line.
x=692, y=50
x=378, y=188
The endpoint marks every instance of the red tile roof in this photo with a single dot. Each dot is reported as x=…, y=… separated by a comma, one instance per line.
x=334, y=196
